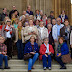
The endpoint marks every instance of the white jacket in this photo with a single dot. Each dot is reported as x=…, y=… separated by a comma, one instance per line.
x=54, y=31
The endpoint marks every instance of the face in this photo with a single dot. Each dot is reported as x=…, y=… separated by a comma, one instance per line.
x=37, y=12
x=5, y=10
x=49, y=27
x=58, y=21
x=37, y=22
x=41, y=13
x=16, y=13
x=44, y=16
x=24, y=12
x=63, y=12
x=46, y=41
x=16, y=21
x=30, y=22
x=29, y=7
x=60, y=41
x=2, y=40
x=51, y=14
x=48, y=21
x=32, y=39
x=53, y=21
x=8, y=23
x=19, y=24
x=66, y=23
x=41, y=24
x=14, y=8
x=26, y=24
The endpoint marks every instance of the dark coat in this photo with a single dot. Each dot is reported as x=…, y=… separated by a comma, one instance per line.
x=28, y=48
x=3, y=16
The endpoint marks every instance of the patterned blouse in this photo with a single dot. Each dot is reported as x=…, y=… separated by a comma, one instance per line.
x=3, y=48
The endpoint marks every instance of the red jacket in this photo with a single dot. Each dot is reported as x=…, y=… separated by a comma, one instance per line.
x=43, y=50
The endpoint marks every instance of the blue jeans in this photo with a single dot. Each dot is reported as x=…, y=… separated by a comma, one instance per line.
x=31, y=61
x=20, y=49
x=2, y=57
x=58, y=59
x=44, y=59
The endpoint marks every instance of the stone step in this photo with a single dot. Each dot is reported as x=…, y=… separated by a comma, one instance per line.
x=54, y=66
x=36, y=70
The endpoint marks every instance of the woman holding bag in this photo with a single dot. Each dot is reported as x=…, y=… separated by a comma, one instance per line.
x=63, y=53
x=31, y=48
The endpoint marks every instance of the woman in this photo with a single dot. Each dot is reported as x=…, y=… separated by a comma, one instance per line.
x=62, y=50
x=8, y=35
x=30, y=30
x=37, y=23
x=46, y=51
x=20, y=39
x=42, y=33
x=32, y=48
x=3, y=54
x=51, y=40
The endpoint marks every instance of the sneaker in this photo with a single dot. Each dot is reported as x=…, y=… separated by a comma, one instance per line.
x=7, y=68
x=44, y=68
x=49, y=68
x=63, y=68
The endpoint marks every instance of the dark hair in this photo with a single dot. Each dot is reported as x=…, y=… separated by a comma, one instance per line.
x=51, y=11
x=61, y=38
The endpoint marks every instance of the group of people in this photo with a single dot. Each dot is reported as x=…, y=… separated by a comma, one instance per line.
x=36, y=34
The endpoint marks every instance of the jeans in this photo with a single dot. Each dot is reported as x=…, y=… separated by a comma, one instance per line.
x=44, y=59
x=2, y=57
x=31, y=61
x=58, y=59
x=20, y=49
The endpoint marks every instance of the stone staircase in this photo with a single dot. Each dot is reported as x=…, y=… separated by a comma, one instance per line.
x=21, y=66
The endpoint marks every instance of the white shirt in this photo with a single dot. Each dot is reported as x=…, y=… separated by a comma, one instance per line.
x=8, y=35
x=47, y=46
x=41, y=30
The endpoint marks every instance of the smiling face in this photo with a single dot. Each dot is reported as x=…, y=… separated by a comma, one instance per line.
x=46, y=41
x=60, y=40
x=2, y=40
x=32, y=39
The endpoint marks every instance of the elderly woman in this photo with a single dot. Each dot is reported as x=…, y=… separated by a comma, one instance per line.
x=3, y=54
x=32, y=48
x=42, y=33
x=46, y=51
x=30, y=30
x=62, y=50
x=51, y=40
x=20, y=39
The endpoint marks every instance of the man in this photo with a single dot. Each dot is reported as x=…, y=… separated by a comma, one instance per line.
x=56, y=32
x=4, y=14
x=29, y=10
x=11, y=12
x=51, y=15
x=53, y=22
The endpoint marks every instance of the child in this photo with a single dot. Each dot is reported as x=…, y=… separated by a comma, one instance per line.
x=3, y=54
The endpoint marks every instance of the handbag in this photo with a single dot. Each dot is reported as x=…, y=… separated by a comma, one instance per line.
x=27, y=56
x=66, y=58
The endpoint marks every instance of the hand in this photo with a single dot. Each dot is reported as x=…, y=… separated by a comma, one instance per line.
x=32, y=53
x=55, y=40
x=12, y=26
x=3, y=53
x=71, y=45
x=49, y=53
x=59, y=54
x=30, y=33
x=46, y=55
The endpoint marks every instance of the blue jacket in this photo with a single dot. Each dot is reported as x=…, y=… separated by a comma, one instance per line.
x=64, y=49
x=28, y=48
x=66, y=17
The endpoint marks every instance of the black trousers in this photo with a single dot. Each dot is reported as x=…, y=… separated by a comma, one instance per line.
x=9, y=47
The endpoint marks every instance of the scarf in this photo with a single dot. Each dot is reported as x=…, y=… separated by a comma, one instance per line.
x=59, y=48
x=19, y=33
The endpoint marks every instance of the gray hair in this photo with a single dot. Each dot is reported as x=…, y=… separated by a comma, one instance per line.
x=50, y=25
